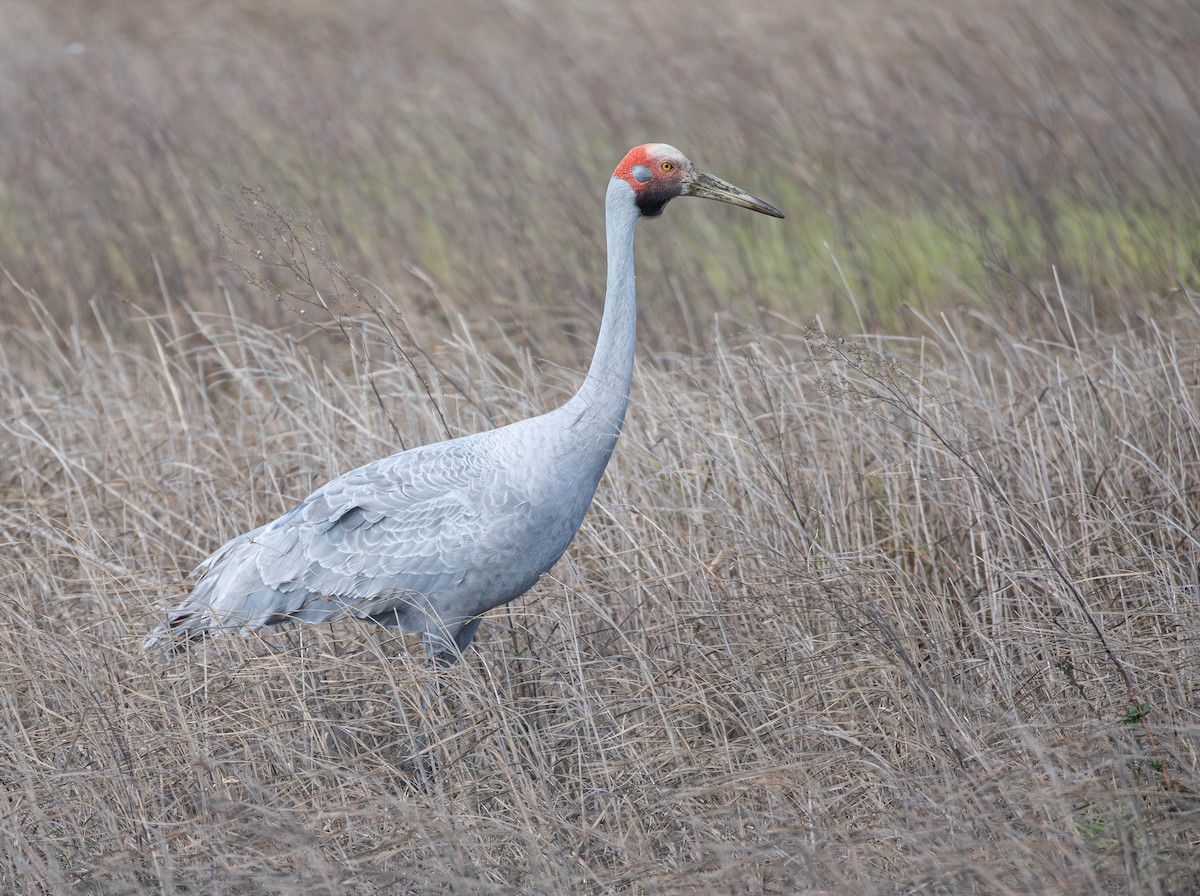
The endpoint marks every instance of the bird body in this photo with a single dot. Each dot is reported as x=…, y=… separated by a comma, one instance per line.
x=427, y=540
x=433, y=537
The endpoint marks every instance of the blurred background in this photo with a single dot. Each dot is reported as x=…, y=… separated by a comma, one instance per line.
x=930, y=154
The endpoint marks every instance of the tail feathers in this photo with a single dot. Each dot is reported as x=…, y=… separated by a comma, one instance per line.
x=195, y=621
x=174, y=635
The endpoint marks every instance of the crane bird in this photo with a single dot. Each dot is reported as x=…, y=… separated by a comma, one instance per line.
x=430, y=539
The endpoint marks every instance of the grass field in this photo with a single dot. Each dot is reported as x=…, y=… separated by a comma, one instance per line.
x=893, y=583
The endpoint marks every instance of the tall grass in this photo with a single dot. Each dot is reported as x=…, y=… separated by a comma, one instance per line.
x=847, y=616
x=868, y=614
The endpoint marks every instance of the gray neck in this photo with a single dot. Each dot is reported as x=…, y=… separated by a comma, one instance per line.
x=604, y=395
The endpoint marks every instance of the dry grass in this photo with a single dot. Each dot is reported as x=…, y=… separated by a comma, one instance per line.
x=875, y=615
x=829, y=628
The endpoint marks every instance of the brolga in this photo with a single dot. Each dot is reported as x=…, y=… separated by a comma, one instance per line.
x=430, y=539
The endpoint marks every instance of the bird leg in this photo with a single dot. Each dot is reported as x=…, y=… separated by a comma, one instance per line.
x=444, y=651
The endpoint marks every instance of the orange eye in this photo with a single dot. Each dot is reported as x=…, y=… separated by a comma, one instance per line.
x=666, y=166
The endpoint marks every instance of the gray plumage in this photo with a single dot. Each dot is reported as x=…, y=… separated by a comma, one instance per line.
x=433, y=537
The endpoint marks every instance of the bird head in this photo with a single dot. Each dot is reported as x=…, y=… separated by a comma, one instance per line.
x=658, y=173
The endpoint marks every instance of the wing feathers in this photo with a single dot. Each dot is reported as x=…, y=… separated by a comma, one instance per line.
x=396, y=529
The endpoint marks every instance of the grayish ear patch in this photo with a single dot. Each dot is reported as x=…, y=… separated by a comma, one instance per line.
x=641, y=173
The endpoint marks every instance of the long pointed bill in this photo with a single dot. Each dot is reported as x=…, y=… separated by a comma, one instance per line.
x=708, y=186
